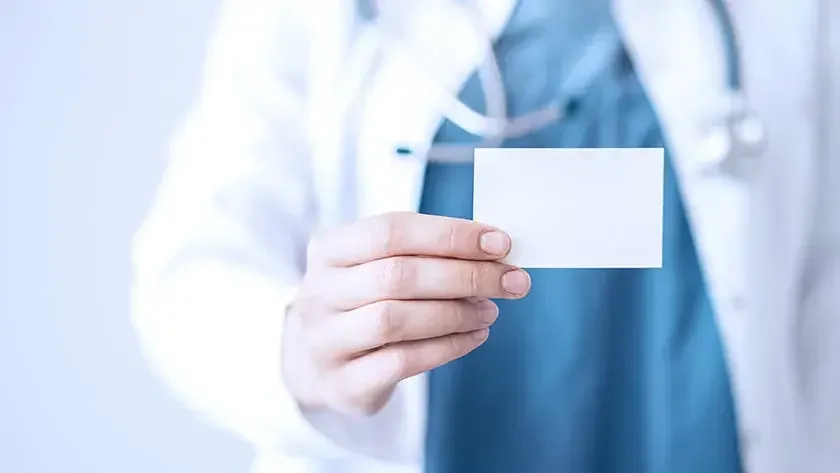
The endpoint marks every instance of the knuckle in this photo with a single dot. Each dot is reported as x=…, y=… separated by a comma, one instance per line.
x=460, y=316
x=311, y=288
x=398, y=364
x=472, y=278
x=366, y=406
x=389, y=323
x=388, y=231
x=300, y=312
x=365, y=403
x=354, y=392
x=317, y=339
x=308, y=319
x=454, y=346
x=336, y=391
x=396, y=275
x=369, y=394
x=449, y=239
x=314, y=247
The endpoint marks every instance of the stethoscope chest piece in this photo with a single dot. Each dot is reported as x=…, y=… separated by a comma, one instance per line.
x=734, y=141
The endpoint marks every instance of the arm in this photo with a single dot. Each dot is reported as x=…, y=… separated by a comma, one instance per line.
x=220, y=255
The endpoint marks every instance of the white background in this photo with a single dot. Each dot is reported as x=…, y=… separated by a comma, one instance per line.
x=89, y=92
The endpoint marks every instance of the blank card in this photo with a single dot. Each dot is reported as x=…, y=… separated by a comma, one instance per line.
x=574, y=208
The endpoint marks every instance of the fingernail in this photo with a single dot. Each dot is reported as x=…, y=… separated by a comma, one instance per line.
x=488, y=311
x=516, y=282
x=494, y=243
x=480, y=335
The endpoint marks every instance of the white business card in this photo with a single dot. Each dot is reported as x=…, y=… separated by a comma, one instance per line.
x=574, y=208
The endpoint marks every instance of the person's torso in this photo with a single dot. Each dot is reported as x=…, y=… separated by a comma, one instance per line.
x=751, y=234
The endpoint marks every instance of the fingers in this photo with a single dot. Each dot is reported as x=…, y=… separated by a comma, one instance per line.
x=393, y=296
x=408, y=234
x=410, y=278
x=362, y=380
x=346, y=334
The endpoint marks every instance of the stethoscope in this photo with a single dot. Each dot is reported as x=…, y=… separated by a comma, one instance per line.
x=735, y=132
x=739, y=133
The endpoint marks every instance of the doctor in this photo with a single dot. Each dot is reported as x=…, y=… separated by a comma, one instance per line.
x=288, y=288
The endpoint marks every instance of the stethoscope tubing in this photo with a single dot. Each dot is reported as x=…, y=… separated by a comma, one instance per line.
x=741, y=132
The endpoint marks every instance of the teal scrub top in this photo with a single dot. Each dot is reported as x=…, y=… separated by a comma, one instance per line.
x=597, y=370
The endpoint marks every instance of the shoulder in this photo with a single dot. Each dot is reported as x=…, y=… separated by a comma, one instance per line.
x=277, y=36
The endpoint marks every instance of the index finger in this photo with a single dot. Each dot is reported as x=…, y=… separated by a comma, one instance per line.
x=408, y=234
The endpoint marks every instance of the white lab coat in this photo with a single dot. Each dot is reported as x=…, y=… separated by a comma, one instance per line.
x=273, y=150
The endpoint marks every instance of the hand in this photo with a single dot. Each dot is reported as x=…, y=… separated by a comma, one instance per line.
x=390, y=297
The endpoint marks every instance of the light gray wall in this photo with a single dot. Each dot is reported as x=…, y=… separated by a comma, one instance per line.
x=89, y=91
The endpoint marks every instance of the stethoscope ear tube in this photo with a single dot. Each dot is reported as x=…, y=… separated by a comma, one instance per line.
x=735, y=131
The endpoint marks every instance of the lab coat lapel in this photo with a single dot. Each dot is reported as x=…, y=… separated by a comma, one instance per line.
x=441, y=48
x=678, y=53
